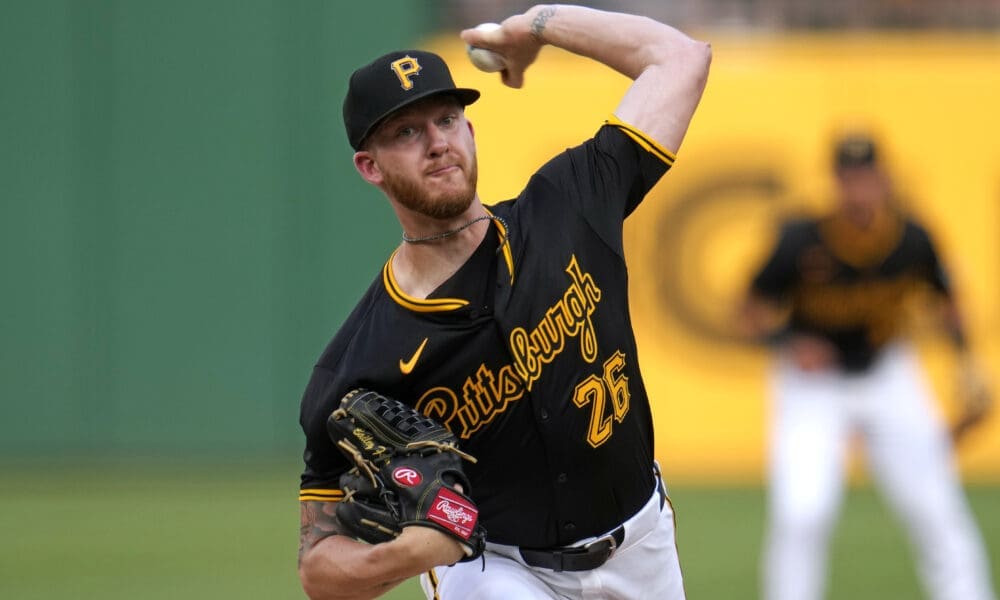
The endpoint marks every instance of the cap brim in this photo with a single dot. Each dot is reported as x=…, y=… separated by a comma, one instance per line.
x=465, y=96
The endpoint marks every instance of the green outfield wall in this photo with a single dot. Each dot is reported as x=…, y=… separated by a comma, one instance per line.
x=182, y=228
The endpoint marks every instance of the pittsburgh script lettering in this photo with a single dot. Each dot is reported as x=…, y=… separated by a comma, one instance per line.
x=486, y=394
x=570, y=317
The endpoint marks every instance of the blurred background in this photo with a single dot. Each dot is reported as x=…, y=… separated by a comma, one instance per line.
x=183, y=231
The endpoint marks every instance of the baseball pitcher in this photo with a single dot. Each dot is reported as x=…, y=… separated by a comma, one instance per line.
x=480, y=419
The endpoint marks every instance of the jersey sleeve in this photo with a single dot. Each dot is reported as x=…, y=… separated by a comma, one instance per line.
x=779, y=271
x=605, y=178
x=933, y=269
x=331, y=378
x=324, y=463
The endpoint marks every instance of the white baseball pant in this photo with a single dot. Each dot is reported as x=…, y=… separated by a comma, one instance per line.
x=644, y=567
x=909, y=456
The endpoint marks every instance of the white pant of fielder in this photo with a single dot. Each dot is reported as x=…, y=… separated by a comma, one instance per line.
x=909, y=457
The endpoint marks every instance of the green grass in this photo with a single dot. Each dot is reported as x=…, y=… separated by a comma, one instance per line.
x=720, y=530
x=230, y=532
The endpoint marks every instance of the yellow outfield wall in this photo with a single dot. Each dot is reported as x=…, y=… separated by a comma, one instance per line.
x=758, y=148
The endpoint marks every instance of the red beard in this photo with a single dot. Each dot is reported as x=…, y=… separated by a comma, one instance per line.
x=443, y=205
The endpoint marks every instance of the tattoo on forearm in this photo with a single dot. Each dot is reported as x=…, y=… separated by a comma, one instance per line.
x=318, y=521
x=540, y=20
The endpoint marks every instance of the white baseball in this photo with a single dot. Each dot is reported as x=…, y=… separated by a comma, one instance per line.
x=486, y=60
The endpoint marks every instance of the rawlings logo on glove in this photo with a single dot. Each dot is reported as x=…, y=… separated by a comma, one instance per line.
x=406, y=476
x=408, y=472
x=453, y=512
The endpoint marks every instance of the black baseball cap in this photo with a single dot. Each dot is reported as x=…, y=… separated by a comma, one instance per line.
x=856, y=150
x=391, y=82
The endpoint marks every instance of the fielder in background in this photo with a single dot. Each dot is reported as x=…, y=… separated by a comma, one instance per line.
x=510, y=325
x=831, y=299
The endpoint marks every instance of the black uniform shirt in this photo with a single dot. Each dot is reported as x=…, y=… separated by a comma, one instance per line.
x=847, y=286
x=526, y=354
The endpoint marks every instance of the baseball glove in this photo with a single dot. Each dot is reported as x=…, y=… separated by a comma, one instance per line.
x=363, y=512
x=408, y=472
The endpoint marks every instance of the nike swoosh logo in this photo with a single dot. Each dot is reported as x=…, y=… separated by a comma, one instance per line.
x=407, y=366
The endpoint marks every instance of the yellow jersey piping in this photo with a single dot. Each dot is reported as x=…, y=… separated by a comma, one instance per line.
x=320, y=495
x=440, y=304
x=416, y=304
x=863, y=249
x=648, y=143
x=508, y=255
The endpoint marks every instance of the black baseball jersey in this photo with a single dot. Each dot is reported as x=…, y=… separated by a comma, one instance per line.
x=526, y=354
x=848, y=285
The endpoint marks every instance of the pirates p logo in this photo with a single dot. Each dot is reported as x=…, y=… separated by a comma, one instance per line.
x=405, y=68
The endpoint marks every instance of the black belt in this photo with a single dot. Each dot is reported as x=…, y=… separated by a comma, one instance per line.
x=579, y=558
x=588, y=556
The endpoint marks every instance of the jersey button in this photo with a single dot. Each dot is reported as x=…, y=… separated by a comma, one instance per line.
x=543, y=415
x=569, y=527
x=562, y=478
